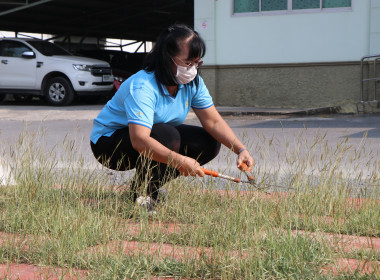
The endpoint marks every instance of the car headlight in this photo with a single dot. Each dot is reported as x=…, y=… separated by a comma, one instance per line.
x=82, y=67
x=120, y=79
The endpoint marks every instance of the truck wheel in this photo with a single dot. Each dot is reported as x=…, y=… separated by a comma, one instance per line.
x=58, y=92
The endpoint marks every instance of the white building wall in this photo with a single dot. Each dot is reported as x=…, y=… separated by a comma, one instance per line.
x=204, y=23
x=375, y=27
x=326, y=36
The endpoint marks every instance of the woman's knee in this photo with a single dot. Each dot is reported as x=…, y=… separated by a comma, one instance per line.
x=114, y=155
x=167, y=135
x=213, y=149
x=210, y=147
x=198, y=143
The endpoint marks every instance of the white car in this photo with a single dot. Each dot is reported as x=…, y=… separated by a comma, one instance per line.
x=32, y=67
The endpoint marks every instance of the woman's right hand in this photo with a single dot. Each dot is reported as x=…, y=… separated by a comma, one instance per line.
x=189, y=167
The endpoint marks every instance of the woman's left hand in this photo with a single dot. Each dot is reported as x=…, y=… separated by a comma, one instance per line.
x=245, y=157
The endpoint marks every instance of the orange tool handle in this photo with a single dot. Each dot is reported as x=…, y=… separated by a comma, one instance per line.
x=247, y=171
x=244, y=167
x=216, y=174
x=210, y=172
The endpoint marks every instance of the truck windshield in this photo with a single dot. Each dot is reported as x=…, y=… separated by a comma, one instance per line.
x=48, y=49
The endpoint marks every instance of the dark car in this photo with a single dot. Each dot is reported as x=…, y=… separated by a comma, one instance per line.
x=123, y=64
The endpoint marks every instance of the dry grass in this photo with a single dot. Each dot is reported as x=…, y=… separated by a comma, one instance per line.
x=198, y=233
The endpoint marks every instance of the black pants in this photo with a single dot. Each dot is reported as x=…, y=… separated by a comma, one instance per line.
x=116, y=152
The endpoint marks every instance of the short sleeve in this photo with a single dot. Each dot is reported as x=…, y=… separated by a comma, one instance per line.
x=139, y=105
x=201, y=98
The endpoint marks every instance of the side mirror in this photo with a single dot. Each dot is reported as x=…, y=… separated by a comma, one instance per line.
x=28, y=54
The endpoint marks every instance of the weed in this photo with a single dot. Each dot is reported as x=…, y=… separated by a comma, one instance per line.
x=62, y=211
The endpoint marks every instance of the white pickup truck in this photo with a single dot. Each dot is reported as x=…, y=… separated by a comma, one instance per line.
x=32, y=67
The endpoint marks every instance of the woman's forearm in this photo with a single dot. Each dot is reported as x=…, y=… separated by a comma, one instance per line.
x=223, y=133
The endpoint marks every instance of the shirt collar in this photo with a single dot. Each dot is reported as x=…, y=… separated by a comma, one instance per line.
x=165, y=90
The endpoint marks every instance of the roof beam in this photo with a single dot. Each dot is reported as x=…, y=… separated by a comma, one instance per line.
x=79, y=19
x=145, y=12
x=26, y=6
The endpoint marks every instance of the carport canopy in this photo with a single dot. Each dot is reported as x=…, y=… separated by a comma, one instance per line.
x=140, y=20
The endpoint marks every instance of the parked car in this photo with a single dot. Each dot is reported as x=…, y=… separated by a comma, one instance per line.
x=123, y=64
x=32, y=67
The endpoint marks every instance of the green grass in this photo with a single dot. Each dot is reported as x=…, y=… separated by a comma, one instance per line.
x=56, y=226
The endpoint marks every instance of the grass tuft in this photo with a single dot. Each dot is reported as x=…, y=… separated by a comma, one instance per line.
x=61, y=212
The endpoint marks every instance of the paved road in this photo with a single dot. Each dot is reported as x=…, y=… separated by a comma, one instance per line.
x=280, y=144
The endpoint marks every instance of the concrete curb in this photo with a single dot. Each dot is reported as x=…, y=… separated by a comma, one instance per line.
x=244, y=111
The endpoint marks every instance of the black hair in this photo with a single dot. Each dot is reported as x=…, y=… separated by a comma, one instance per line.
x=168, y=46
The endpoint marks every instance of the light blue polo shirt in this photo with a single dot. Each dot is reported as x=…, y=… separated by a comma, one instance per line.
x=142, y=100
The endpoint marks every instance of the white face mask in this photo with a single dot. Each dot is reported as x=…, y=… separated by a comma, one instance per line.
x=185, y=74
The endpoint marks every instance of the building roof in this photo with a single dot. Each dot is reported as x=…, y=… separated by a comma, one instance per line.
x=141, y=20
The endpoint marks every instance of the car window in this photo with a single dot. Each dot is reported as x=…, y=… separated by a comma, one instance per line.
x=48, y=49
x=12, y=48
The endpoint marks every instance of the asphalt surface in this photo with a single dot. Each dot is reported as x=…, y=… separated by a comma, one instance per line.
x=282, y=144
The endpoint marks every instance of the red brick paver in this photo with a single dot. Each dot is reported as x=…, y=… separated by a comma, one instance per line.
x=18, y=240
x=161, y=250
x=353, y=265
x=339, y=242
x=32, y=272
x=135, y=228
x=343, y=241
